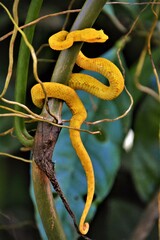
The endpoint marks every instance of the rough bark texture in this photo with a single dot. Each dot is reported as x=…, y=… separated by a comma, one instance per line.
x=45, y=140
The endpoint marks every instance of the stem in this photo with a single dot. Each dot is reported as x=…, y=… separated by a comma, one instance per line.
x=22, y=73
x=45, y=204
x=42, y=171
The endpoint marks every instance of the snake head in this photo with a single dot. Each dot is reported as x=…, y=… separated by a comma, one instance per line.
x=92, y=35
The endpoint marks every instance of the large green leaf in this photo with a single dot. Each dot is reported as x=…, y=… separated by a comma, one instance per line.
x=145, y=155
x=105, y=153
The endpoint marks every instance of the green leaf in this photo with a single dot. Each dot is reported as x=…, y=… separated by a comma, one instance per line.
x=121, y=218
x=105, y=153
x=145, y=155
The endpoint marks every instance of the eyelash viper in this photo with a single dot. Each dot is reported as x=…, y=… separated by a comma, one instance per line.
x=63, y=40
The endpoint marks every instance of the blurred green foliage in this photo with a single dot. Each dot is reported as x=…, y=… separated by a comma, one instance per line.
x=126, y=180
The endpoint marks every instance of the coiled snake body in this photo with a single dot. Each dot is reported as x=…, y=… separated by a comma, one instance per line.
x=61, y=41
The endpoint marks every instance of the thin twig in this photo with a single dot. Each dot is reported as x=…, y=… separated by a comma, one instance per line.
x=155, y=12
x=147, y=221
x=126, y=38
x=119, y=117
x=15, y=157
x=31, y=48
x=11, y=49
x=9, y=131
x=68, y=14
x=132, y=3
x=138, y=71
x=35, y=116
x=40, y=19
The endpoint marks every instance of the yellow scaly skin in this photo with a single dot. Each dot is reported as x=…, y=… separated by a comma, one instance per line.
x=63, y=40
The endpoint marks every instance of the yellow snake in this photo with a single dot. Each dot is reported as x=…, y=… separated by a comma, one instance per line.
x=63, y=40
